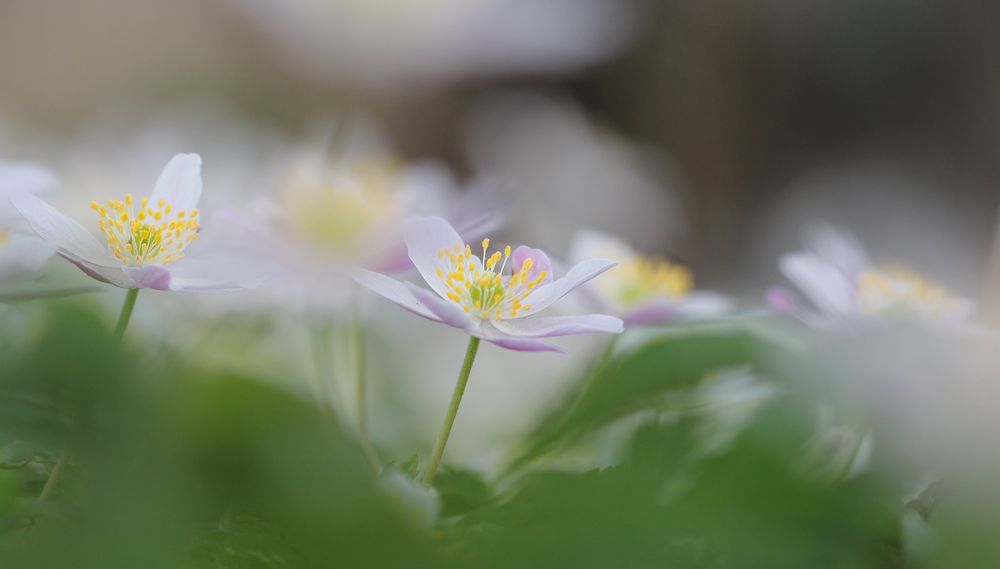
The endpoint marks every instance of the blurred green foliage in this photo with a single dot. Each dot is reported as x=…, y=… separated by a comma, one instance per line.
x=173, y=466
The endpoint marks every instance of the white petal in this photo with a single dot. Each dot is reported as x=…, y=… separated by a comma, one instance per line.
x=552, y=326
x=28, y=178
x=545, y=295
x=425, y=237
x=69, y=236
x=180, y=183
x=837, y=247
x=393, y=290
x=825, y=285
x=445, y=310
x=23, y=255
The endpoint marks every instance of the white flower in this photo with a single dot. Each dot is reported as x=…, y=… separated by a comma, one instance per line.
x=145, y=240
x=834, y=273
x=643, y=291
x=21, y=254
x=474, y=295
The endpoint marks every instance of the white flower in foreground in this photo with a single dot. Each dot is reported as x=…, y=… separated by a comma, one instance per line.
x=145, y=240
x=643, y=291
x=844, y=286
x=475, y=295
x=21, y=254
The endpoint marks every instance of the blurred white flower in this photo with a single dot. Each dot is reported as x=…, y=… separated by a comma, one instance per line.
x=643, y=291
x=21, y=254
x=834, y=273
x=330, y=210
x=407, y=44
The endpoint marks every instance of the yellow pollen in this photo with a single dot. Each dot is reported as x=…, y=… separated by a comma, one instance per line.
x=149, y=235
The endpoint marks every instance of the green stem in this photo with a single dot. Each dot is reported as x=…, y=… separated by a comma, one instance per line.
x=449, y=419
x=126, y=314
x=361, y=384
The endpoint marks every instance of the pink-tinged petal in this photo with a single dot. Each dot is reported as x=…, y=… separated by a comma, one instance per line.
x=825, y=285
x=545, y=295
x=394, y=291
x=110, y=275
x=24, y=255
x=780, y=299
x=155, y=277
x=445, y=311
x=425, y=237
x=652, y=314
x=540, y=262
x=554, y=326
x=695, y=306
x=180, y=183
x=69, y=236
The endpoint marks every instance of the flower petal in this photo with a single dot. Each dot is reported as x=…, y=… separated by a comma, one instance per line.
x=69, y=236
x=23, y=255
x=393, y=290
x=446, y=311
x=180, y=183
x=837, y=247
x=425, y=238
x=155, y=277
x=540, y=262
x=554, y=326
x=825, y=285
x=491, y=334
x=110, y=275
x=545, y=295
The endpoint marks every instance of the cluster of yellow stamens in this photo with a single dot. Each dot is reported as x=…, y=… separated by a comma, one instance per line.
x=640, y=278
x=150, y=234
x=479, y=285
x=897, y=288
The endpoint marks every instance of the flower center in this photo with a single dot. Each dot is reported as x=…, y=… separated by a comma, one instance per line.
x=341, y=215
x=479, y=285
x=899, y=289
x=151, y=234
x=642, y=278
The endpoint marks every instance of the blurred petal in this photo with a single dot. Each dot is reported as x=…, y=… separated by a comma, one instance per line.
x=180, y=182
x=826, y=286
x=545, y=295
x=703, y=305
x=425, y=237
x=491, y=334
x=23, y=255
x=394, y=291
x=837, y=247
x=69, y=236
x=553, y=326
x=590, y=244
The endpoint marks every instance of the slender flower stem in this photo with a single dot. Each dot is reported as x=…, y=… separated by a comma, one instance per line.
x=126, y=313
x=449, y=419
x=361, y=385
